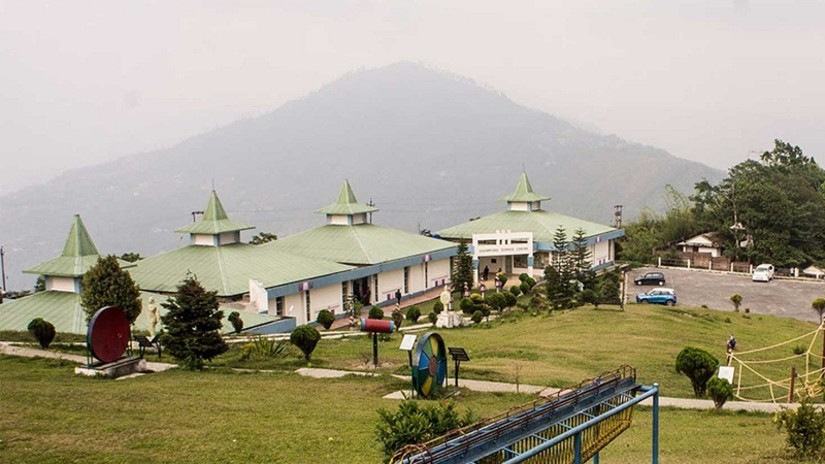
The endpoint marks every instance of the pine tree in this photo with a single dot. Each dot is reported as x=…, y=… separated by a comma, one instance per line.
x=463, y=270
x=580, y=256
x=106, y=284
x=193, y=323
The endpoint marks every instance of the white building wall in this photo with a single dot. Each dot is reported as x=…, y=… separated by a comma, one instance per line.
x=229, y=237
x=388, y=283
x=601, y=252
x=293, y=307
x=60, y=284
x=328, y=297
x=338, y=219
x=203, y=239
x=438, y=271
x=416, y=278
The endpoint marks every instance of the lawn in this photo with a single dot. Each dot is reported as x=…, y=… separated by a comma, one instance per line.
x=51, y=416
x=563, y=348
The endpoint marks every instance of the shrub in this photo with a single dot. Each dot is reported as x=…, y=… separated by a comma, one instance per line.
x=798, y=349
x=412, y=424
x=325, y=318
x=805, y=428
x=43, y=331
x=531, y=281
x=496, y=301
x=509, y=299
x=477, y=316
x=523, y=276
x=263, y=348
x=413, y=314
x=376, y=313
x=467, y=306
x=477, y=298
x=438, y=307
x=433, y=317
x=502, y=277
x=397, y=319
x=698, y=365
x=720, y=391
x=818, y=305
x=523, y=288
x=237, y=322
x=589, y=296
x=736, y=299
x=515, y=290
x=305, y=337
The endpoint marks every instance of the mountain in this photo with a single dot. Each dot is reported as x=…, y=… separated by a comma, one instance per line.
x=429, y=148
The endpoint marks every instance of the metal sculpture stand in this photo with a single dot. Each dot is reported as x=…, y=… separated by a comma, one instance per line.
x=107, y=340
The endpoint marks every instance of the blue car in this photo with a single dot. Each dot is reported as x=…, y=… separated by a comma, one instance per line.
x=660, y=295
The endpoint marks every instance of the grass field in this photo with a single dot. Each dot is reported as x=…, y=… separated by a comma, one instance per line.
x=48, y=415
x=564, y=348
x=51, y=416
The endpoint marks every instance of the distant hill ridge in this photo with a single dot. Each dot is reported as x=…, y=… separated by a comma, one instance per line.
x=431, y=149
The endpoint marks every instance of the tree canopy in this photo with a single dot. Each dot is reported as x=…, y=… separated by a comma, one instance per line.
x=106, y=284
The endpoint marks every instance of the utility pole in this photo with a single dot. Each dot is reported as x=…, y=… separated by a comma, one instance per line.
x=617, y=216
x=2, y=273
x=371, y=205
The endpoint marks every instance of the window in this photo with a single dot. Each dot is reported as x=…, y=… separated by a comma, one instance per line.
x=375, y=293
x=426, y=275
x=279, y=306
x=520, y=261
x=406, y=280
x=344, y=293
x=309, y=311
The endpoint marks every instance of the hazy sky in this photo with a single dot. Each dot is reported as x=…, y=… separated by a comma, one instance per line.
x=82, y=82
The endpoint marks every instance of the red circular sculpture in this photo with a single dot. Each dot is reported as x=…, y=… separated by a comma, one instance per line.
x=108, y=334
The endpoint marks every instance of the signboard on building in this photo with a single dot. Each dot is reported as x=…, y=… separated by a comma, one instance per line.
x=503, y=249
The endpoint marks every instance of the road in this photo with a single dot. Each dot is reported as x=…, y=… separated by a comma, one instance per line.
x=789, y=298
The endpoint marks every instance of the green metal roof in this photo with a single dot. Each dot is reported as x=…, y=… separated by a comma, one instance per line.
x=361, y=244
x=227, y=269
x=79, y=254
x=542, y=224
x=64, y=311
x=346, y=204
x=524, y=192
x=214, y=220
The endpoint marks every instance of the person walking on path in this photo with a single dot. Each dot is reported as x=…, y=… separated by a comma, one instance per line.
x=398, y=298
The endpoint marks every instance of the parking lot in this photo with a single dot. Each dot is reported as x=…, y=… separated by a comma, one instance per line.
x=789, y=298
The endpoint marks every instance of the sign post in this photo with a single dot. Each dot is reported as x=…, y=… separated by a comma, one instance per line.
x=458, y=354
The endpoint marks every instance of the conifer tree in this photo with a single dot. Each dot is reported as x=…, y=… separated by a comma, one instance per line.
x=106, y=284
x=193, y=323
x=463, y=271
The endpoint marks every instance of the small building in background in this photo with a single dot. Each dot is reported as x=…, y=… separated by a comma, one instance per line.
x=709, y=243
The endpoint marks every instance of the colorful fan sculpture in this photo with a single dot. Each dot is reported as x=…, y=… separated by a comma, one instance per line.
x=429, y=366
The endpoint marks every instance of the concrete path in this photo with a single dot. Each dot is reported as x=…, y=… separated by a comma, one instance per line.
x=11, y=350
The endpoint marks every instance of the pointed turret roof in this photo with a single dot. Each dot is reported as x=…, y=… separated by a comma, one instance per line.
x=346, y=204
x=79, y=254
x=214, y=220
x=524, y=192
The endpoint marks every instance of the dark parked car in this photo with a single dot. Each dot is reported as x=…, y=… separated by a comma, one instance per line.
x=651, y=278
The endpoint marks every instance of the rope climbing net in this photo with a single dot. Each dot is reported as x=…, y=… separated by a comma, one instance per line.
x=800, y=371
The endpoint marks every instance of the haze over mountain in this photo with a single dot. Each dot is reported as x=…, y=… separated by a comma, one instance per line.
x=429, y=148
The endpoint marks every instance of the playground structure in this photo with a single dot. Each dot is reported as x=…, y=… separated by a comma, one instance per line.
x=569, y=427
x=800, y=374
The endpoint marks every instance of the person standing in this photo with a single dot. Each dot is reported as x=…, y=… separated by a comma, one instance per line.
x=485, y=273
x=398, y=299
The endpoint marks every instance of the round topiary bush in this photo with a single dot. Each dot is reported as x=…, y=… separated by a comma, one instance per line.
x=413, y=314
x=477, y=316
x=305, y=338
x=523, y=276
x=698, y=365
x=477, y=298
x=720, y=391
x=236, y=321
x=524, y=287
x=43, y=331
x=433, y=317
x=497, y=301
x=515, y=290
x=325, y=318
x=438, y=307
x=467, y=306
x=397, y=319
x=376, y=313
x=509, y=299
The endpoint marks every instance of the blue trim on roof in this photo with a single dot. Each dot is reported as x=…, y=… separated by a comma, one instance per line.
x=360, y=272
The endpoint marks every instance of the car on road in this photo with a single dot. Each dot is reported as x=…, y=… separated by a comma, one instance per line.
x=650, y=278
x=763, y=273
x=659, y=295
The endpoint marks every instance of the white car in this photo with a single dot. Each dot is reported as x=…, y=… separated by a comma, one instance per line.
x=763, y=273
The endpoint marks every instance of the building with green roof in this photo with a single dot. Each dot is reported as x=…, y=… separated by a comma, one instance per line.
x=520, y=239
x=386, y=260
